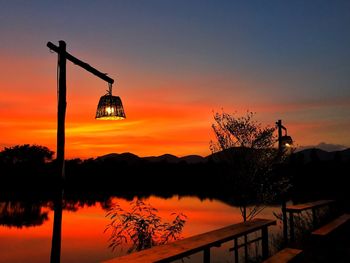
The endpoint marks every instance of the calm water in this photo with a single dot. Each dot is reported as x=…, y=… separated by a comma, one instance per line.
x=28, y=239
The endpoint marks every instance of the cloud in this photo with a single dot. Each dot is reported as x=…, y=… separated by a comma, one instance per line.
x=329, y=147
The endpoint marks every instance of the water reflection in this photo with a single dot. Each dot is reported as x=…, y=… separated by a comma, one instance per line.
x=84, y=220
x=72, y=205
x=55, y=256
x=22, y=214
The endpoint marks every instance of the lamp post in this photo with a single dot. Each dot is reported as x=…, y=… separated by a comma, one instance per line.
x=109, y=108
x=284, y=141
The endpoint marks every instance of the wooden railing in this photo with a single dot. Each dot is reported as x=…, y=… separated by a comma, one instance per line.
x=314, y=206
x=203, y=242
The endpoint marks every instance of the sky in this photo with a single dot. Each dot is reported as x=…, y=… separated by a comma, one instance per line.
x=175, y=63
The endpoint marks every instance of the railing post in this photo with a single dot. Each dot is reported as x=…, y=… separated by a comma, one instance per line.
x=285, y=223
x=236, y=250
x=291, y=227
x=314, y=218
x=206, y=255
x=265, y=242
x=332, y=211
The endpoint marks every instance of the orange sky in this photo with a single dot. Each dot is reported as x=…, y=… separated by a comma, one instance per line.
x=164, y=115
x=154, y=124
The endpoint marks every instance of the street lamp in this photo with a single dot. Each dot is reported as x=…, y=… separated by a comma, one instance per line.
x=109, y=108
x=284, y=141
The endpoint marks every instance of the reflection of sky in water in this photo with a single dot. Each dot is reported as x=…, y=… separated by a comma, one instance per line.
x=83, y=239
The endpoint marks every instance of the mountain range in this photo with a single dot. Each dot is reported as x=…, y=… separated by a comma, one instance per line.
x=324, y=155
x=169, y=158
x=131, y=158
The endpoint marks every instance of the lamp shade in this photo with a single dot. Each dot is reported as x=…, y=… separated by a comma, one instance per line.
x=110, y=108
x=286, y=140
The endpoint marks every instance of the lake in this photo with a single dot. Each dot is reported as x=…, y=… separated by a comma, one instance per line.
x=26, y=229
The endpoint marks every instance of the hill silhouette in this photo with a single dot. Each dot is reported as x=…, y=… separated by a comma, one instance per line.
x=321, y=155
x=131, y=158
x=127, y=157
x=163, y=158
x=306, y=154
x=193, y=159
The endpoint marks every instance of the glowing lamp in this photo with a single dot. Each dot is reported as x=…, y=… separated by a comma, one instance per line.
x=110, y=107
x=286, y=141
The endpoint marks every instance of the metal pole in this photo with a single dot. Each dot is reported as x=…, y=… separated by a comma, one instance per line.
x=61, y=115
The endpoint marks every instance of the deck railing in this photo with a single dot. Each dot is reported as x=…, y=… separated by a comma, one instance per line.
x=203, y=242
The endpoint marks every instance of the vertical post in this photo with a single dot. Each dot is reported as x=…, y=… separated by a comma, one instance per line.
x=246, y=255
x=284, y=212
x=265, y=243
x=61, y=114
x=57, y=229
x=206, y=255
x=279, y=127
x=314, y=218
x=236, y=250
x=285, y=221
x=333, y=211
x=291, y=227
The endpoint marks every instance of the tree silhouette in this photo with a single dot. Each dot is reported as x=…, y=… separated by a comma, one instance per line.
x=248, y=148
x=26, y=154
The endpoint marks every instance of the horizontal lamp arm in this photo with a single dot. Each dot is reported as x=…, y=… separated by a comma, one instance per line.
x=81, y=64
